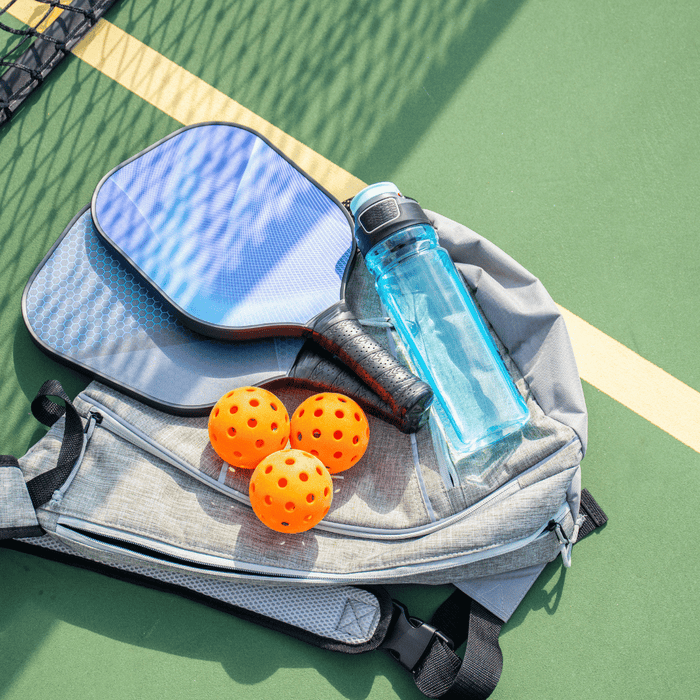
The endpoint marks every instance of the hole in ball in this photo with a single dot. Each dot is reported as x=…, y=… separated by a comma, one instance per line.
x=338, y=434
x=282, y=483
x=310, y=498
x=339, y=414
x=290, y=506
x=303, y=476
x=254, y=403
x=318, y=412
x=231, y=431
x=317, y=433
x=259, y=443
x=252, y=422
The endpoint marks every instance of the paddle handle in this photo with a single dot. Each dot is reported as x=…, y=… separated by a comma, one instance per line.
x=321, y=371
x=338, y=331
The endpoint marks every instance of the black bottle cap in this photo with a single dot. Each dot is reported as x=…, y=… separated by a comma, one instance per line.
x=381, y=210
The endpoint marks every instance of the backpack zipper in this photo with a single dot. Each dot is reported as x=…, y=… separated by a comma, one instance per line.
x=122, y=428
x=110, y=541
x=93, y=419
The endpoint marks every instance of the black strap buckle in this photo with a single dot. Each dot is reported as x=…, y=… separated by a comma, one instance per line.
x=409, y=639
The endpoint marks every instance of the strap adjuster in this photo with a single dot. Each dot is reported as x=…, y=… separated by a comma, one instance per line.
x=410, y=639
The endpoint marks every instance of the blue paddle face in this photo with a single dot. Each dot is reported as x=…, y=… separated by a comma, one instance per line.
x=231, y=235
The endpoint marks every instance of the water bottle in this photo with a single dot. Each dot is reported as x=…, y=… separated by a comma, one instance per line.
x=442, y=332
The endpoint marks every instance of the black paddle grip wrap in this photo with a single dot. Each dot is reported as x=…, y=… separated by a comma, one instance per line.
x=338, y=331
x=319, y=369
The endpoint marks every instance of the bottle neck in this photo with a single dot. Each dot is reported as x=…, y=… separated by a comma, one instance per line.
x=403, y=244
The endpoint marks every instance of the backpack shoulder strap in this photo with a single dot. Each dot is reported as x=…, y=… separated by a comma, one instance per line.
x=427, y=650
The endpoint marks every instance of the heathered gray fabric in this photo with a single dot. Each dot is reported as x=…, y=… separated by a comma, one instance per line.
x=394, y=518
x=502, y=593
x=123, y=493
x=16, y=509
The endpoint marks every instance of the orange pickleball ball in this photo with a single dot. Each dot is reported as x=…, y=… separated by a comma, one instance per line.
x=246, y=425
x=290, y=491
x=331, y=427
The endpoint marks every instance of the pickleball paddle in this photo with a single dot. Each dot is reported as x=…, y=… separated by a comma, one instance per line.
x=84, y=308
x=240, y=244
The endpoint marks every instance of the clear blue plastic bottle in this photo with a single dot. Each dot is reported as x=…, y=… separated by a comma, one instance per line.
x=446, y=340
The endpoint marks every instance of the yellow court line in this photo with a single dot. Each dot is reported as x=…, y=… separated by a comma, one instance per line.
x=603, y=362
x=189, y=100
x=635, y=382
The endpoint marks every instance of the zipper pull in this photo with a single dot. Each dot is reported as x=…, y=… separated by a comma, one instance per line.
x=565, y=544
x=94, y=418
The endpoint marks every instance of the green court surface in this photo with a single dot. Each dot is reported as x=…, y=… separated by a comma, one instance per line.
x=566, y=133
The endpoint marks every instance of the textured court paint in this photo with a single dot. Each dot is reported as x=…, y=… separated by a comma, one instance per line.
x=188, y=99
x=617, y=623
x=603, y=362
x=182, y=95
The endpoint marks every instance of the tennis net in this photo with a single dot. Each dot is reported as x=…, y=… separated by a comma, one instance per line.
x=31, y=47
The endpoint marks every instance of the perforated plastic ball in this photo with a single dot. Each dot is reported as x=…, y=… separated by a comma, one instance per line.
x=246, y=425
x=331, y=427
x=291, y=491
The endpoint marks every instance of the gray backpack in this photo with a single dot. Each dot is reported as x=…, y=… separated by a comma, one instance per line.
x=138, y=493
